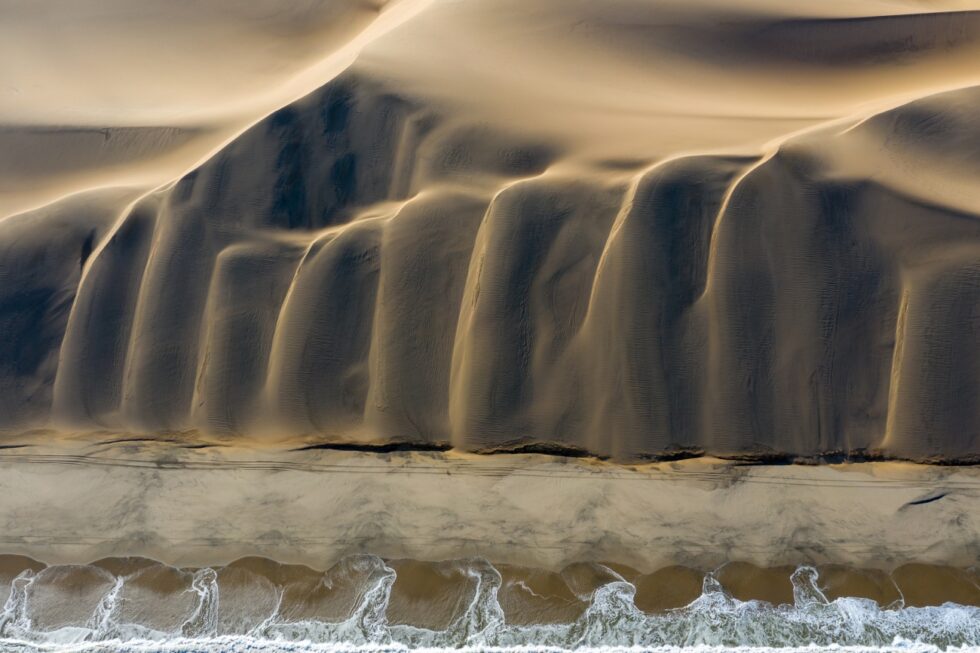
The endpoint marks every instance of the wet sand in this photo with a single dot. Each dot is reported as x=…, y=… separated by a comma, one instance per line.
x=431, y=595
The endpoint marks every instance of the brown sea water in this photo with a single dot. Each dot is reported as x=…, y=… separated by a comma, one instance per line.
x=254, y=603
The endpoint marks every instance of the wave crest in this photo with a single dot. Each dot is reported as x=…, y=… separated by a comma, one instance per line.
x=612, y=619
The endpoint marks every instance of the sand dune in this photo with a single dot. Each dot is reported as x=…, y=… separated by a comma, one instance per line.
x=97, y=93
x=639, y=232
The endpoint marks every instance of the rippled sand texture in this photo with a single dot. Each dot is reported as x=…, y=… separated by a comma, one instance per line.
x=632, y=228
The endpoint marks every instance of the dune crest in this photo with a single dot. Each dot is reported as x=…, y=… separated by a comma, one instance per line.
x=612, y=252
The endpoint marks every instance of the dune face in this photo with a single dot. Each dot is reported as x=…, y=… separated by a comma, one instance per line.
x=100, y=93
x=631, y=234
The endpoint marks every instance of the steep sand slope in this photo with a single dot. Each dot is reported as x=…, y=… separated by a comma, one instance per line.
x=642, y=230
x=110, y=93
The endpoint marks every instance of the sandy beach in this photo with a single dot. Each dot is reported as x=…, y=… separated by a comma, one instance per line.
x=78, y=501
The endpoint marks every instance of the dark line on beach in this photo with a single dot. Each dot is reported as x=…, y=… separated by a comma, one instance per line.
x=825, y=458
x=559, y=449
x=384, y=447
x=922, y=502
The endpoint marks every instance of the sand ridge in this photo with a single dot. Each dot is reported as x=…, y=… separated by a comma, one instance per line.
x=629, y=232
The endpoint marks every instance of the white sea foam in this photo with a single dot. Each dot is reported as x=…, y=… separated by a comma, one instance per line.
x=612, y=622
x=247, y=644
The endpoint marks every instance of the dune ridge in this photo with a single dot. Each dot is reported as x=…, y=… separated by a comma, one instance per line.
x=378, y=262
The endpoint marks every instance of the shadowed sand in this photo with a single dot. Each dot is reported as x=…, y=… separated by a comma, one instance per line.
x=641, y=230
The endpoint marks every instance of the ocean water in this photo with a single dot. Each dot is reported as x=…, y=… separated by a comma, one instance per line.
x=712, y=622
x=245, y=644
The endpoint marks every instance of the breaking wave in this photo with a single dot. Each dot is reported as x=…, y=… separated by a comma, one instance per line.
x=611, y=621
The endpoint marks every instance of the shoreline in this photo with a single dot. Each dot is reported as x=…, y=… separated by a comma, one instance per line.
x=566, y=594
